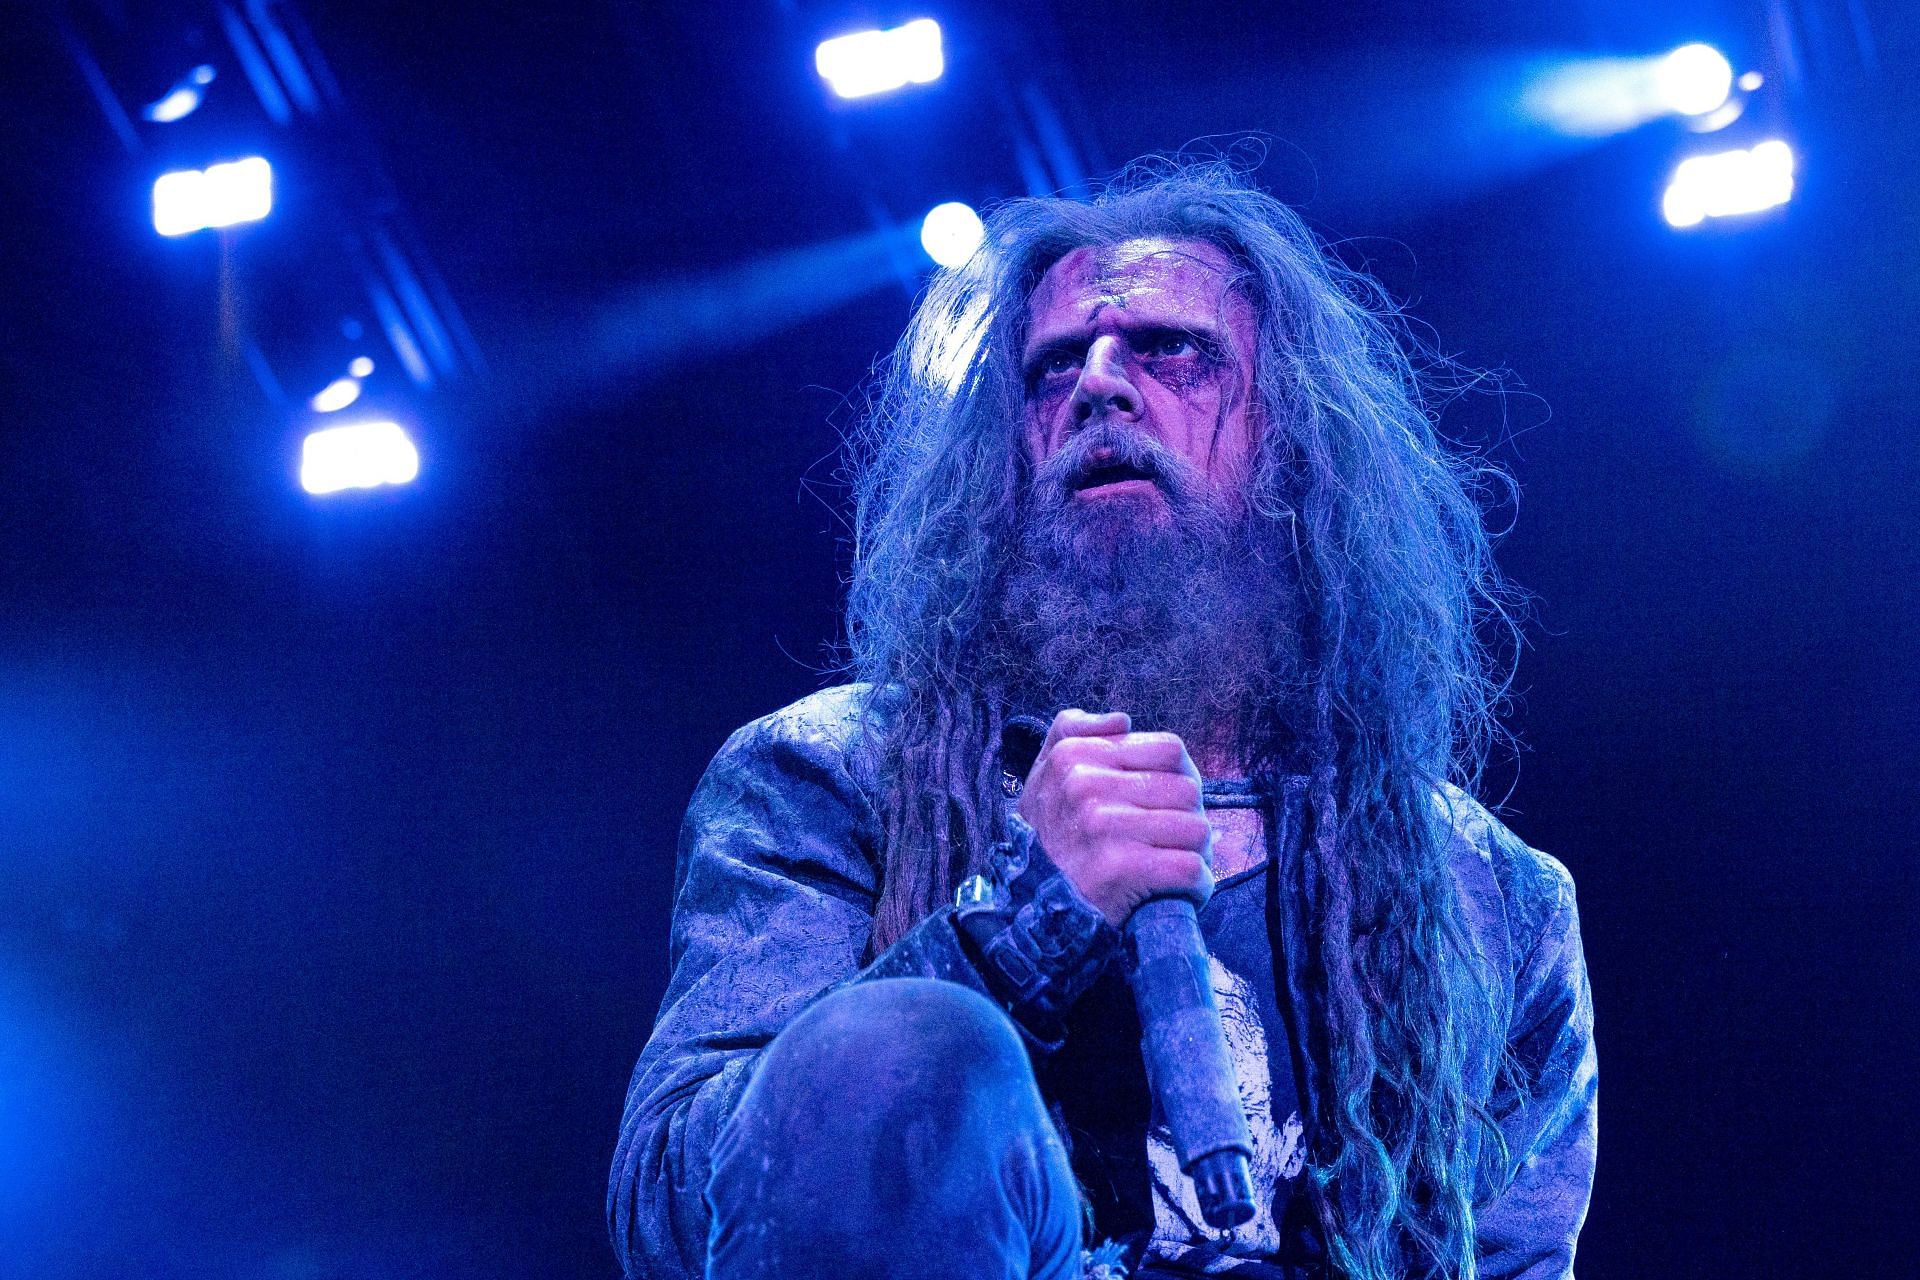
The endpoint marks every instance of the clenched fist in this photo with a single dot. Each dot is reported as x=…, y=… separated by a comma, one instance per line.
x=1119, y=813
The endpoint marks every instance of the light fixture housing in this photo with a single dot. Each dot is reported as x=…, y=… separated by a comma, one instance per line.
x=951, y=232
x=1728, y=183
x=220, y=195
x=360, y=455
x=865, y=63
x=1694, y=80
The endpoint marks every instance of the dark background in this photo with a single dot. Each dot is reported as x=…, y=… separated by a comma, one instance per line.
x=336, y=836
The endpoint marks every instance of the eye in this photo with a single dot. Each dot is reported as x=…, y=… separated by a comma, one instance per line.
x=1172, y=345
x=1057, y=361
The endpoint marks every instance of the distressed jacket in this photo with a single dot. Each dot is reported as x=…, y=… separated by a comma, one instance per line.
x=777, y=881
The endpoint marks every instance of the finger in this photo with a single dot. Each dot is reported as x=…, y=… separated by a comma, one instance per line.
x=1142, y=752
x=1173, y=872
x=1075, y=723
x=1142, y=788
x=1164, y=752
x=1160, y=828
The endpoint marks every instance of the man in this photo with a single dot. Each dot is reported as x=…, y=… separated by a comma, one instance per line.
x=1163, y=586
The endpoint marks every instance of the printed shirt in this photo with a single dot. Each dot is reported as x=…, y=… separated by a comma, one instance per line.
x=1240, y=959
x=1123, y=1152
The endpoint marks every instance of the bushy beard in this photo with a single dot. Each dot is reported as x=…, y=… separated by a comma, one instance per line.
x=1170, y=606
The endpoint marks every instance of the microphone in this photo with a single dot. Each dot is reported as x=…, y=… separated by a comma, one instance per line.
x=1191, y=1075
x=1188, y=1067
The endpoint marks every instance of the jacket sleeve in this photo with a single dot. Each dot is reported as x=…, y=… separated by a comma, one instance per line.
x=778, y=884
x=1548, y=1109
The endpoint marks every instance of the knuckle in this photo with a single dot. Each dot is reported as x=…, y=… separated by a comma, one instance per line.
x=1169, y=753
x=1181, y=831
x=1080, y=781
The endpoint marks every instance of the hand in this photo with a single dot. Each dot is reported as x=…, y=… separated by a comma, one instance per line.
x=1119, y=813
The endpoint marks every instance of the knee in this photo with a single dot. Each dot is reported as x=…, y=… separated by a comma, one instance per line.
x=902, y=1037
x=887, y=1090
x=878, y=1118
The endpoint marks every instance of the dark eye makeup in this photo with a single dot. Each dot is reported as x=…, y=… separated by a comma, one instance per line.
x=1174, y=343
x=1150, y=344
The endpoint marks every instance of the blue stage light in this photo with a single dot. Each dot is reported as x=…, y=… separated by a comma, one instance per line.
x=950, y=233
x=870, y=62
x=1599, y=97
x=364, y=455
x=361, y=367
x=221, y=195
x=1694, y=79
x=336, y=395
x=182, y=100
x=1729, y=183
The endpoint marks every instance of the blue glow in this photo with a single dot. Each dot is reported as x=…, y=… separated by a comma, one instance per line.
x=1600, y=97
x=652, y=326
x=364, y=455
x=45, y=1096
x=221, y=195
x=361, y=367
x=177, y=105
x=869, y=62
x=183, y=99
x=336, y=395
x=1729, y=183
x=1694, y=79
x=950, y=233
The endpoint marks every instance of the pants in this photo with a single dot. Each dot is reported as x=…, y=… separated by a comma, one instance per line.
x=893, y=1129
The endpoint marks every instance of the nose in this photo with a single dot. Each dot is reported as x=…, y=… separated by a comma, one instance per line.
x=1104, y=390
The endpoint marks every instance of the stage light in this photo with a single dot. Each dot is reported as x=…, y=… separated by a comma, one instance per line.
x=364, y=455
x=361, y=367
x=221, y=195
x=1600, y=97
x=950, y=233
x=1694, y=79
x=1729, y=183
x=182, y=100
x=336, y=395
x=870, y=62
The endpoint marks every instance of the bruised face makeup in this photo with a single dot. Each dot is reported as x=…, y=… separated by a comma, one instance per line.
x=1138, y=372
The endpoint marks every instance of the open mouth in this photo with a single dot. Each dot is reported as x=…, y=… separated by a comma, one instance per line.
x=1110, y=473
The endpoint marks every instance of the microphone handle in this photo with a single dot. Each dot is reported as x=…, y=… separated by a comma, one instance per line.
x=1188, y=1066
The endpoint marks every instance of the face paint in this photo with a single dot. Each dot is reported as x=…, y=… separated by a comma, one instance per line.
x=1148, y=336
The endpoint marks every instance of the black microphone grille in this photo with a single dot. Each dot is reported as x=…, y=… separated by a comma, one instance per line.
x=1021, y=738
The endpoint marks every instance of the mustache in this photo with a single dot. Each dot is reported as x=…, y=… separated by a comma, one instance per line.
x=1107, y=447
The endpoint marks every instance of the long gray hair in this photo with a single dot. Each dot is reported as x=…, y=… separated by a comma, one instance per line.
x=1397, y=593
